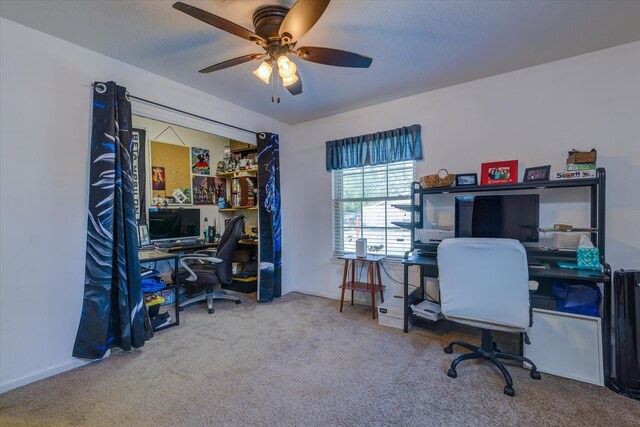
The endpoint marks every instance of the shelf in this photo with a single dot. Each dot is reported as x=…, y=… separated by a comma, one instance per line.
x=407, y=224
x=407, y=208
x=362, y=286
x=243, y=150
x=239, y=208
x=238, y=174
x=575, y=230
x=559, y=183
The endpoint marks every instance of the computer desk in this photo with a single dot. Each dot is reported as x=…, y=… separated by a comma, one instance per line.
x=428, y=265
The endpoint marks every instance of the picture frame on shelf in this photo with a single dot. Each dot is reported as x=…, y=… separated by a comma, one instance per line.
x=143, y=235
x=502, y=172
x=538, y=173
x=464, y=179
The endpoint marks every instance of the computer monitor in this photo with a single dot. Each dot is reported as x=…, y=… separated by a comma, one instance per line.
x=505, y=216
x=173, y=224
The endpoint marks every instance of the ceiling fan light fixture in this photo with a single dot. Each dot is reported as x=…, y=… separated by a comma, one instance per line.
x=286, y=67
x=289, y=80
x=263, y=72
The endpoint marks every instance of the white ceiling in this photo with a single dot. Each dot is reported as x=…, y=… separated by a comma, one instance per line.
x=416, y=45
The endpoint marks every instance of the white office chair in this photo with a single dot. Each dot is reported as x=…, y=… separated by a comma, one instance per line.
x=485, y=283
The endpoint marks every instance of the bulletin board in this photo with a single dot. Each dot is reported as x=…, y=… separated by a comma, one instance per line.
x=171, y=171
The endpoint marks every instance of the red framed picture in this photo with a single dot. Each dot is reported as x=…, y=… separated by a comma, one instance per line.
x=502, y=172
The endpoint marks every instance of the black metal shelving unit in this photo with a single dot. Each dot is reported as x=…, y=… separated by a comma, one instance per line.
x=596, y=185
x=428, y=264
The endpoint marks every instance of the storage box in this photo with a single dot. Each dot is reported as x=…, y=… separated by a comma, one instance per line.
x=391, y=312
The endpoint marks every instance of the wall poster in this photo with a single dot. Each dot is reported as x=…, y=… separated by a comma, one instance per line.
x=207, y=189
x=200, y=161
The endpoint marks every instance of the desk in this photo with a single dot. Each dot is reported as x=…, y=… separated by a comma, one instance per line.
x=372, y=287
x=429, y=268
x=154, y=256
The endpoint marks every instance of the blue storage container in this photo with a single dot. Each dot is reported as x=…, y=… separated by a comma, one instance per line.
x=577, y=297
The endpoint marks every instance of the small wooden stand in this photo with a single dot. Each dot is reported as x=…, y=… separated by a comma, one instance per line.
x=372, y=286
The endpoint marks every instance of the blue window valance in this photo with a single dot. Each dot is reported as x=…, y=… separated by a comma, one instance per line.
x=378, y=148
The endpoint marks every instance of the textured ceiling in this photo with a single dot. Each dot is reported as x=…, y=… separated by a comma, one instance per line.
x=416, y=46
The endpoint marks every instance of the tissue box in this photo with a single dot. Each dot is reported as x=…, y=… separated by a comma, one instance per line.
x=588, y=257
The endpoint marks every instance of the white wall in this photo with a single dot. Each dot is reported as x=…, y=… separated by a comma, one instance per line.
x=44, y=138
x=534, y=115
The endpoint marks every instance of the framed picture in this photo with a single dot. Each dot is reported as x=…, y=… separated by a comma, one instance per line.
x=538, y=173
x=503, y=172
x=463, y=179
x=143, y=235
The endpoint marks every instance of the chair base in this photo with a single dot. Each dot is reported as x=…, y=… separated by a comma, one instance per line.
x=490, y=352
x=209, y=297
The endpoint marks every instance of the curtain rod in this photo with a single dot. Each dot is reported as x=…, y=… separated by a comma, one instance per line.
x=191, y=114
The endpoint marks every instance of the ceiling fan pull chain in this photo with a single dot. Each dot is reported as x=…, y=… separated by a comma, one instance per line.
x=273, y=82
x=279, y=86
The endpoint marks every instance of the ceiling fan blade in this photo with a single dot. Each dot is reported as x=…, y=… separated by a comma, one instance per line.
x=218, y=22
x=300, y=18
x=232, y=62
x=296, y=88
x=338, y=58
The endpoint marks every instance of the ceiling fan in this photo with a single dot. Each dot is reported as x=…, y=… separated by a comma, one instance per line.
x=277, y=30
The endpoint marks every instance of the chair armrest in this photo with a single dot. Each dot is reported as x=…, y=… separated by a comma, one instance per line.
x=208, y=252
x=192, y=275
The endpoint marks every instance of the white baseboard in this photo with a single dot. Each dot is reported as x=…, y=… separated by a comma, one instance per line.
x=317, y=294
x=40, y=375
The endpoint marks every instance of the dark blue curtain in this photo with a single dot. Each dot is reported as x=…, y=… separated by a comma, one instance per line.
x=113, y=310
x=378, y=148
x=270, y=228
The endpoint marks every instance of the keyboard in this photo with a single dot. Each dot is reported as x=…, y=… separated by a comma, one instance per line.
x=179, y=243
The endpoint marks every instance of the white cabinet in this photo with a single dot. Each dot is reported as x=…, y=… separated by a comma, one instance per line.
x=567, y=345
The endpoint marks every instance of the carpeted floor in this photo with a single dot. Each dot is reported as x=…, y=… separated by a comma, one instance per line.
x=298, y=361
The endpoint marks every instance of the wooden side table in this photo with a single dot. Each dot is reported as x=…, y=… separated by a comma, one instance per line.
x=372, y=286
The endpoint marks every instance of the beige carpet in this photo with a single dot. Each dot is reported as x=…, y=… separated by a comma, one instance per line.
x=298, y=361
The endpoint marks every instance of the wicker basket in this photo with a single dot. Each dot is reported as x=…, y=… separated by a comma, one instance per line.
x=438, y=179
x=576, y=156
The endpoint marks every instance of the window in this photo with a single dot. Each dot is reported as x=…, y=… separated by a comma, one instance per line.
x=363, y=206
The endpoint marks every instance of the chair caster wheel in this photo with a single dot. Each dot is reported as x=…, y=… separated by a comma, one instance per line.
x=238, y=302
x=535, y=374
x=508, y=390
x=180, y=308
x=452, y=373
x=448, y=349
x=211, y=311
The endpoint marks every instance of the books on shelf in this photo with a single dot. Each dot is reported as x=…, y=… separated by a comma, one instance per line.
x=589, y=173
x=580, y=166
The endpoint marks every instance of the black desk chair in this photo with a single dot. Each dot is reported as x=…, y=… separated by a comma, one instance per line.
x=210, y=269
x=485, y=283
